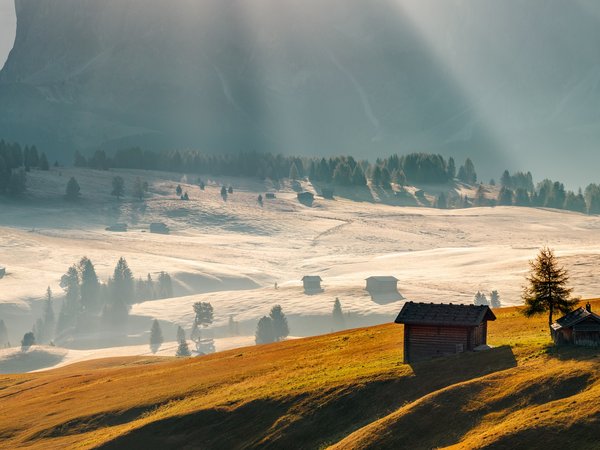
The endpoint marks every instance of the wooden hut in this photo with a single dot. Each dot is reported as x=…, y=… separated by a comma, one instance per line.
x=159, y=228
x=306, y=198
x=270, y=195
x=433, y=330
x=382, y=285
x=580, y=327
x=312, y=284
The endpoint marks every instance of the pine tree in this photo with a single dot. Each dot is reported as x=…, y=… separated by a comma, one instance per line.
x=178, y=190
x=122, y=294
x=71, y=304
x=118, y=187
x=73, y=190
x=480, y=299
x=48, y=318
x=505, y=197
x=233, y=326
x=264, y=331
x=451, y=168
x=138, y=189
x=280, y=326
x=44, y=162
x=89, y=286
x=337, y=316
x=182, y=350
x=27, y=341
x=156, y=337
x=165, y=285
x=495, y=299
x=441, y=201
x=3, y=334
x=546, y=289
x=293, y=172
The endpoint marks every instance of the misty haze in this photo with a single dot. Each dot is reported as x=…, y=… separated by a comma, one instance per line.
x=299, y=224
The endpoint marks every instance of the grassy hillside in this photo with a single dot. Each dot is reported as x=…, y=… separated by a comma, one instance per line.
x=345, y=390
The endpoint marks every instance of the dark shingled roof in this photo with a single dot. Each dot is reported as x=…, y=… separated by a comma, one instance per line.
x=573, y=318
x=311, y=278
x=444, y=314
x=383, y=278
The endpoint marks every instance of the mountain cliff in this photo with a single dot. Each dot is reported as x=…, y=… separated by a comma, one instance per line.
x=503, y=82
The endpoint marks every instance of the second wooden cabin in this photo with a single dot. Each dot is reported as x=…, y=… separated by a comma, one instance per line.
x=433, y=330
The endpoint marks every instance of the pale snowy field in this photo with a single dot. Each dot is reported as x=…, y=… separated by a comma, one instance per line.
x=232, y=253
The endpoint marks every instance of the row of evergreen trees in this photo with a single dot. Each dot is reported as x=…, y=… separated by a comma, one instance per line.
x=341, y=170
x=86, y=298
x=15, y=161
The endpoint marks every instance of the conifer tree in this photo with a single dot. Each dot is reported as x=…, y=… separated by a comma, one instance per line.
x=3, y=334
x=73, y=190
x=339, y=321
x=138, y=189
x=178, y=190
x=156, y=337
x=280, y=325
x=264, y=331
x=294, y=172
x=44, y=162
x=71, y=304
x=546, y=289
x=118, y=187
x=165, y=285
x=182, y=349
x=27, y=341
x=89, y=286
x=48, y=318
x=495, y=299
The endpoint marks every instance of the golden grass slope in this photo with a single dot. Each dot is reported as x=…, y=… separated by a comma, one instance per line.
x=344, y=390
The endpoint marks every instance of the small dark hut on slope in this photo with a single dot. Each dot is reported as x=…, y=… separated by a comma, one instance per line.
x=579, y=327
x=433, y=330
x=312, y=284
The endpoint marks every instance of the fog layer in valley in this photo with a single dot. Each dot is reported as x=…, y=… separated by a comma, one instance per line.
x=232, y=253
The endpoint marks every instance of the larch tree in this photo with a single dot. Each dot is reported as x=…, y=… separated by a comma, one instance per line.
x=48, y=317
x=90, y=286
x=546, y=289
x=3, y=334
x=339, y=321
x=281, y=329
x=156, y=337
x=118, y=187
x=495, y=299
x=73, y=190
x=264, y=331
x=182, y=349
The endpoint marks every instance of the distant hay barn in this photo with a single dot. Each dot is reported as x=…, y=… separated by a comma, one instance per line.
x=382, y=285
x=327, y=193
x=306, y=198
x=117, y=227
x=434, y=330
x=159, y=228
x=312, y=284
x=270, y=196
x=580, y=327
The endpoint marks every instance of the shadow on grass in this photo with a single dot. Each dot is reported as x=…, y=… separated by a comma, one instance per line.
x=313, y=419
x=571, y=352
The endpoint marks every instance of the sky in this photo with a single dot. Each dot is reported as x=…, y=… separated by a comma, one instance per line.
x=8, y=26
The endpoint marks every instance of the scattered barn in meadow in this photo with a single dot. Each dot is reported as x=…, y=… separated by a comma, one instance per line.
x=2, y=272
x=306, y=198
x=270, y=195
x=382, y=285
x=117, y=227
x=432, y=330
x=312, y=284
x=327, y=192
x=579, y=327
x=159, y=228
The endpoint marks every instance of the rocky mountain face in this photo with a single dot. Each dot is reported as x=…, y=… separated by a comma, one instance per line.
x=504, y=82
